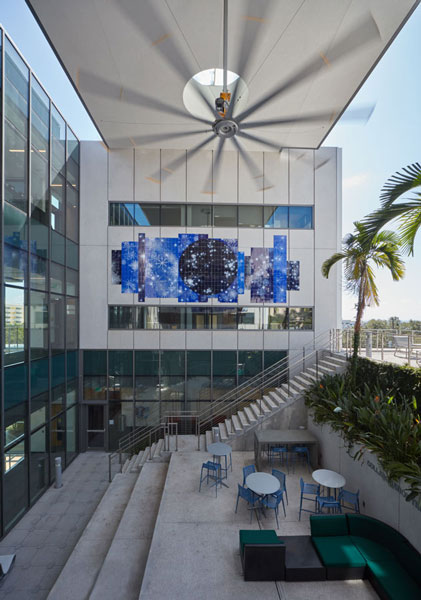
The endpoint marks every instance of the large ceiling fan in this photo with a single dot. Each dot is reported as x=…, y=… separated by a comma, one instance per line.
x=224, y=121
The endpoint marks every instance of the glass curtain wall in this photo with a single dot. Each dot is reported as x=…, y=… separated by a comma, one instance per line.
x=39, y=275
x=140, y=387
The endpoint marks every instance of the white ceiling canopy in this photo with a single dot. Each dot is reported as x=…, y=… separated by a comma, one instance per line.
x=301, y=60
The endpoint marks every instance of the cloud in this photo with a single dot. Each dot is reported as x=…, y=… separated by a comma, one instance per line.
x=355, y=181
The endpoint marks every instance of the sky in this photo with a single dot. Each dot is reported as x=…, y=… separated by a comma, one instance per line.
x=371, y=153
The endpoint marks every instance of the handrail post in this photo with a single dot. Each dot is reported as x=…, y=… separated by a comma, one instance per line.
x=317, y=364
x=304, y=358
x=382, y=344
x=176, y=437
x=109, y=468
x=409, y=350
x=198, y=433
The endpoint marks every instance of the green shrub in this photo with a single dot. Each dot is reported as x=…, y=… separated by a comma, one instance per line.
x=379, y=412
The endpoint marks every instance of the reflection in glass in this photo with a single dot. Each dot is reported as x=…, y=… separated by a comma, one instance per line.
x=301, y=318
x=120, y=419
x=56, y=279
x=147, y=317
x=199, y=215
x=72, y=169
x=276, y=217
x=40, y=130
x=301, y=217
x=14, y=325
x=72, y=254
x=224, y=372
x=72, y=282
x=224, y=318
x=172, y=317
x=249, y=317
x=147, y=375
x=15, y=168
x=71, y=323
x=39, y=462
x=15, y=226
x=275, y=317
x=250, y=216
x=71, y=434
x=15, y=484
x=58, y=135
x=15, y=266
x=57, y=399
x=120, y=317
x=58, y=245
x=39, y=407
x=58, y=192
x=172, y=375
x=72, y=213
x=16, y=90
x=71, y=392
x=120, y=375
x=197, y=317
x=38, y=273
x=57, y=441
x=224, y=216
x=57, y=320
x=15, y=402
x=38, y=323
x=39, y=239
x=249, y=364
x=173, y=215
x=198, y=385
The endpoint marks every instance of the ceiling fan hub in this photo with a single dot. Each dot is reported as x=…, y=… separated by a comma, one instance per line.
x=225, y=128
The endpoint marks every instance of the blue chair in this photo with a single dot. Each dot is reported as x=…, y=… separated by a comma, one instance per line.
x=282, y=480
x=248, y=471
x=308, y=488
x=281, y=452
x=350, y=498
x=301, y=452
x=212, y=471
x=328, y=502
x=249, y=497
x=273, y=501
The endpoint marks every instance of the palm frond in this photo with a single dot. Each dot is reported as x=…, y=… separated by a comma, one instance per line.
x=400, y=183
x=409, y=224
x=329, y=262
x=380, y=217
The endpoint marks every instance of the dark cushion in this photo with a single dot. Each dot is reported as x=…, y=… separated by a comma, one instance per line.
x=257, y=536
x=327, y=525
x=371, y=550
x=376, y=530
x=394, y=580
x=338, y=551
x=410, y=559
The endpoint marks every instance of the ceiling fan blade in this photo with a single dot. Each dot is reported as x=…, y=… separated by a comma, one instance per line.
x=358, y=114
x=162, y=137
x=364, y=32
x=97, y=85
x=252, y=30
x=259, y=140
x=214, y=170
x=256, y=173
x=177, y=162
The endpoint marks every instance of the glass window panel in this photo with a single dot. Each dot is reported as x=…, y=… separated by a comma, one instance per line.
x=249, y=364
x=198, y=375
x=71, y=434
x=16, y=89
x=224, y=216
x=147, y=317
x=15, y=266
x=40, y=118
x=72, y=282
x=39, y=186
x=39, y=376
x=39, y=408
x=276, y=217
x=171, y=317
x=72, y=168
x=39, y=462
x=57, y=369
x=72, y=365
x=15, y=168
x=249, y=317
x=224, y=318
x=224, y=372
x=120, y=375
x=95, y=362
x=71, y=392
x=56, y=279
x=173, y=215
x=57, y=399
x=15, y=227
x=38, y=279
x=71, y=322
x=15, y=402
x=39, y=239
x=273, y=356
x=275, y=317
x=58, y=138
x=146, y=413
x=197, y=317
x=58, y=192
x=120, y=421
x=301, y=217
x=57, y=321
x=199, y=215
x=15, y=484
x=172, y=375
x=94, y=387
x=120, y=317
x=15, y=335
x=301, y=318
x=250, y=216
x=121, y=214
x=72, y=255
x=146, y=215
x=147, y=375
x=38, y=323
x=57, y=441
x=72, y=213
x=57, y=247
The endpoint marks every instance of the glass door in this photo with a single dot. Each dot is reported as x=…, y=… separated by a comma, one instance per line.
x=96, y=427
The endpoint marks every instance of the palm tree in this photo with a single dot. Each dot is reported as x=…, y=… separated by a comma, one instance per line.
x=407, y=213
x=360, y=254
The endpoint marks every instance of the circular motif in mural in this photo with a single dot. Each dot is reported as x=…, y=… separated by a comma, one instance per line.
x=208, y=267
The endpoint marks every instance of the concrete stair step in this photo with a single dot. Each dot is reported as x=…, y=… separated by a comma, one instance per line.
x=122, y=571
x=255, y=407
x=302, y=381
x=209, y=439
x=151, y=453
x=245, y=423
x=125, y=465
x=223, y=435
x=229, y=427
x=251, y=417
x=270, y=403
x=277, y=397
x=238, y=428
x=131, y=464
x=328, y=362
x=79, y=574
x=138, y=461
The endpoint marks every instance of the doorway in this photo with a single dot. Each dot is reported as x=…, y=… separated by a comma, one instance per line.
x=95, y=432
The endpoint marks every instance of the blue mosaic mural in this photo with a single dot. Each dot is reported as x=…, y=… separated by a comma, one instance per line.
x=194, y=268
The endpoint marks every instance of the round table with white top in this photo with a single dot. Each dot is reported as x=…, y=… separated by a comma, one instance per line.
x=329, y=479
x=219, y=449
x=263, y=484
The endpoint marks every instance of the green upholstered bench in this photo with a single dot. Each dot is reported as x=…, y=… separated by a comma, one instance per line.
x=262, y=555
x=352, y=542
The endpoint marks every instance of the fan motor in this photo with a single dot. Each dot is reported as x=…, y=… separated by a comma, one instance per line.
x=225, y=128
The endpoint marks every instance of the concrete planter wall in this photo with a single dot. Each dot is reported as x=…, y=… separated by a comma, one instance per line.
x=378, y=498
